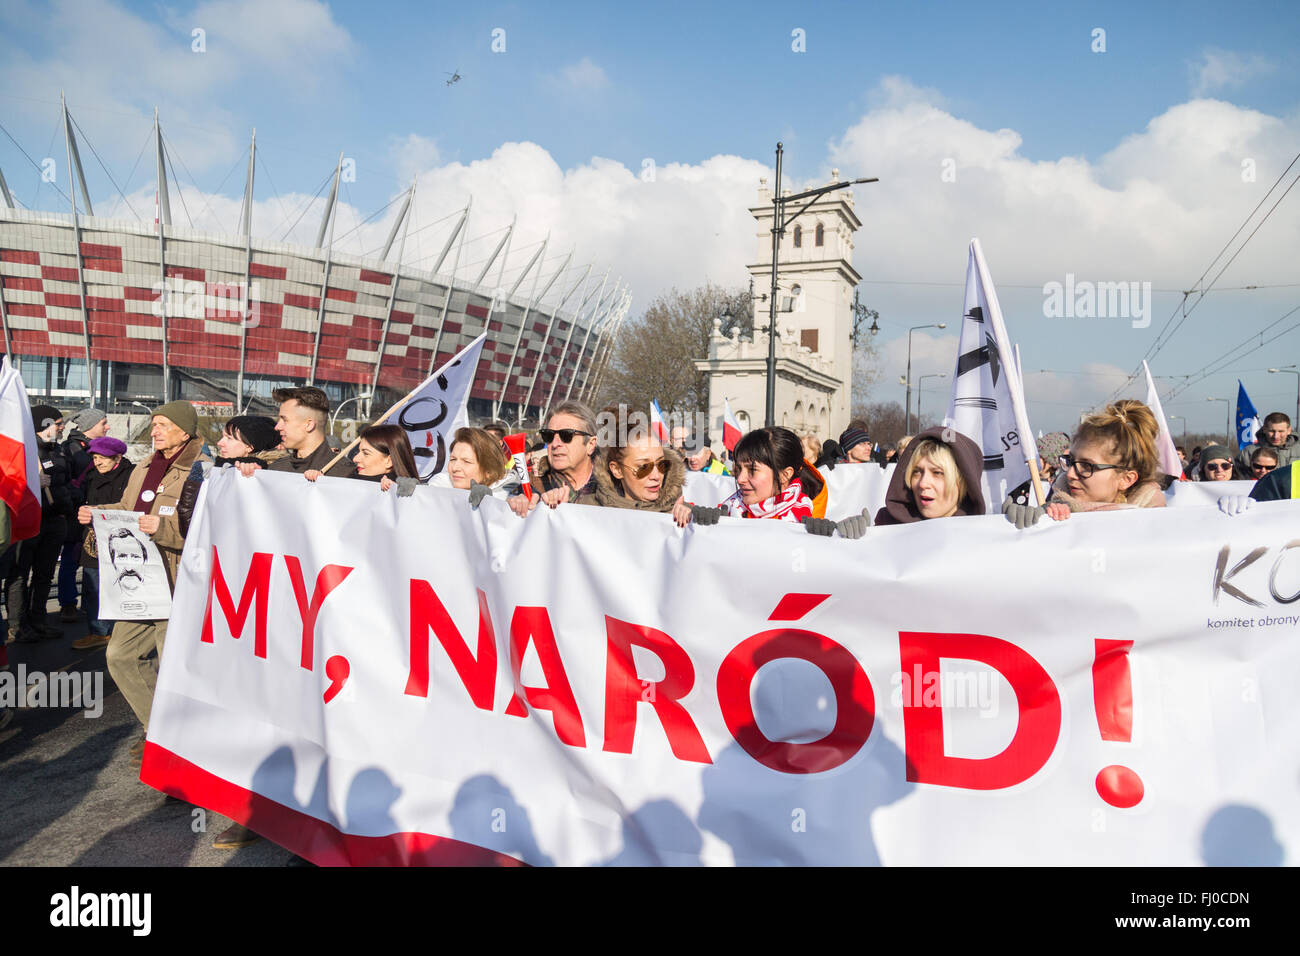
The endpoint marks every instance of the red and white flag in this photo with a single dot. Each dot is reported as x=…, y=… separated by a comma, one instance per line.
x=657, y=426
x=20, y=483
x=1165, y=447
x=731, y=432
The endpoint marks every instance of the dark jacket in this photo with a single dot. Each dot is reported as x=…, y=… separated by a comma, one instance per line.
x=1280, y=484
x=102, y=489
x=900, y=508
x=609, y=491
x=545, y=479
x=316, y=460
x=1286, y=452
x=76, y=449
x=54, y=463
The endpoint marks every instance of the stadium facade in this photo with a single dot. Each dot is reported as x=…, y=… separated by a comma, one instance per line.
x=114, y=312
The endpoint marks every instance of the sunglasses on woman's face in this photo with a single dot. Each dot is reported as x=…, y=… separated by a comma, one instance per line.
x=566, y=434
x=640, y=471
x=1218, y=466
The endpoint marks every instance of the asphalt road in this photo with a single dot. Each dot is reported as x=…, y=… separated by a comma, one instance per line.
x=71, y=796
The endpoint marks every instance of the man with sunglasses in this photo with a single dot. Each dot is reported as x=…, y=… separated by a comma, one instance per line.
x=572, y=454
x=1274, y=434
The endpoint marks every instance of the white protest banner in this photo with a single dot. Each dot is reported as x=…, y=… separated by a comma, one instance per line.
x=433, y=412
x=1182, y=494
x=987, y=404
x=590, y=685
x=132, y=575
x=850, y=488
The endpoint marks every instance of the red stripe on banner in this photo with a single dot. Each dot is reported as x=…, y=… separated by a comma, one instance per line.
x=301, y=833
x=16, y=493
x=794, y=606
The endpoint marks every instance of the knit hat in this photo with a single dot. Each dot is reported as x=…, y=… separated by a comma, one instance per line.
x=1052, y=446
x=108, y=447
x=257, y=431
x=88, y=418
x=1214, y=453
x=182, y=415
x=850, y=437
x=43, y=416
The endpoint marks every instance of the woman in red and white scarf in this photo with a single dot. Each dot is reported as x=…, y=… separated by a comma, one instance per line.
x=772, y=480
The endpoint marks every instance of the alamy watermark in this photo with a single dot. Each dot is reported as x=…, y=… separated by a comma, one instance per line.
x=950, y=689
x=1098, y=300
x=81, y=689
x=179, y=298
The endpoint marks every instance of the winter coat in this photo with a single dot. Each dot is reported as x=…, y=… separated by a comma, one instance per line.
x=101, y=489
x=1287, y=452
x=900, y=506
x=804, y=497
x=545, y=478
x=317, y=460
x=609, y=490
x=54, y=463
x=169, y=538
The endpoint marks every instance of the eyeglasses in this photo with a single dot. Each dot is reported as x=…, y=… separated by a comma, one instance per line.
x=1084, y=469
x=1262, y=469
x=640, y=471
x=1218, y=466
x=566, y=434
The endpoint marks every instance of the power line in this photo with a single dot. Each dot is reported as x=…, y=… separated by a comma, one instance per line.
x=35, y=165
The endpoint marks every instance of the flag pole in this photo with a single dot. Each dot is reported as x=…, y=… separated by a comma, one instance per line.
x=353, y=444
x=1030, y=460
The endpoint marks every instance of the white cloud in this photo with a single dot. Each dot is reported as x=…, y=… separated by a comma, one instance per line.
x=584, y=76
x=1226, y=70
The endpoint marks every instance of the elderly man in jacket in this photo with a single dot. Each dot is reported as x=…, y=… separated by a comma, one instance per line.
x=135, y=649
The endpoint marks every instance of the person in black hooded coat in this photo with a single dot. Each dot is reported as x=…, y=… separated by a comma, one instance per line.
x=938, y=476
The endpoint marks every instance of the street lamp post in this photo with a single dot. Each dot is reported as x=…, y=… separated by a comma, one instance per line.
x=1289, y=369
x=907, y=404
x=354, y=398
x=779, y=222
x=920, y=384
x=148, y=413
x=1184, y=418
x=1227, y=410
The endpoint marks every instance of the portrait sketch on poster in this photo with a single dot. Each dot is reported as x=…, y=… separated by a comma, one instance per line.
x=132, y=577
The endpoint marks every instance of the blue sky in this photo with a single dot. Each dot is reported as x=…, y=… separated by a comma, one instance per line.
x=1121, y=164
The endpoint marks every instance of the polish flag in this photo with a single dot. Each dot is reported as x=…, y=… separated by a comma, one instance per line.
x=657, y=422
x=20, y=483
x=1165, y=447
x=731, y=432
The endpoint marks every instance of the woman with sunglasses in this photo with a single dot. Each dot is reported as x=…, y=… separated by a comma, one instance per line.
x=638, y=474
x=1216, y=463
x=1112, y=463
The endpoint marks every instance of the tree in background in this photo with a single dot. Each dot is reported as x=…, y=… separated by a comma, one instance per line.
x=655, y=356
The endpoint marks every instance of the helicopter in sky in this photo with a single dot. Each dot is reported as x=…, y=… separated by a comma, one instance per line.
x=455, y=77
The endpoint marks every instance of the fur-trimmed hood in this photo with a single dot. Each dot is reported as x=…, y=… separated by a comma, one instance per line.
x=609, y=492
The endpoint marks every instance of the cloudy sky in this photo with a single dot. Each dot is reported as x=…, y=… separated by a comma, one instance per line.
x=1095, y=140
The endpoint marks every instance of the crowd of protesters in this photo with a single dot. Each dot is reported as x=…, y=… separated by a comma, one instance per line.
x=1111, y=462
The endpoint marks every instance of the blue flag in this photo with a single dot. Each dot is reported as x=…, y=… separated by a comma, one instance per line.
x=1247, y=418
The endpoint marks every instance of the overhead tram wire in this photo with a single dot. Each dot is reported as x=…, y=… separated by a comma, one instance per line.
x=1161, y=339
x=1205, y=371
x=86, y=139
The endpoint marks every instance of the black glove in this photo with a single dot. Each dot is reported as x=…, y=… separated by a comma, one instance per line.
x=406, y=486
x=703, y=515
x=477, y=492
x=1022, y=516
x=821, y=526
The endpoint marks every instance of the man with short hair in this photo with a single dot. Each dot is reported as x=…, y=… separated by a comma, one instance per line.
x=303, y=425
x=135, y=649
x=572, y=456
x=1274, y=433
x=678, y=437
x=699, y=457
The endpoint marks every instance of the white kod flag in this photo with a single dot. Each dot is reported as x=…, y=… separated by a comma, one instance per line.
x=1169, y=463
x=987, y=404
x=432, y=413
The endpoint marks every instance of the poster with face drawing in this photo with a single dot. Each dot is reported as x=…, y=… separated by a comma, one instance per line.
x=132, y=576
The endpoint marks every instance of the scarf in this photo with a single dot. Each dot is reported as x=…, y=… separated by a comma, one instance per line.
x=152, y=484
x=790, y=505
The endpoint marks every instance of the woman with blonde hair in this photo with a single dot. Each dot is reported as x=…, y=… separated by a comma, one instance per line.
x=938, y=475
x=1112, y=465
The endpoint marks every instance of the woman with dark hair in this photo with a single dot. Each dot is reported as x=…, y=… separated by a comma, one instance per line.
x=772, y=481
x=249, y=438
x=383, y=455
x=938, y=476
